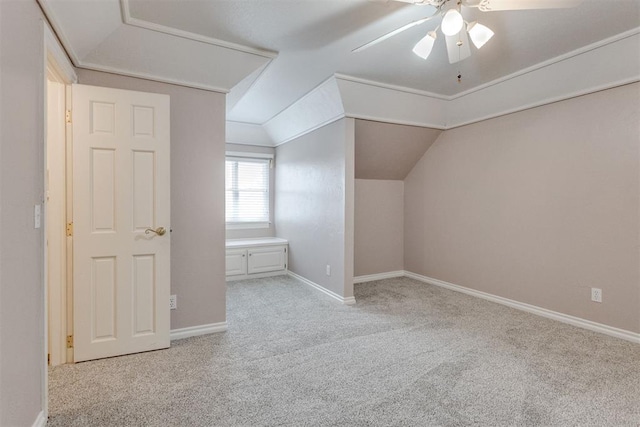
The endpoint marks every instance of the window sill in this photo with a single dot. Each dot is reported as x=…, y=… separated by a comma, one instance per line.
x=246, y=225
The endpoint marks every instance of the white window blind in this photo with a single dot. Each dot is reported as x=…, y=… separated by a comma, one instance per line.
x=247, y=190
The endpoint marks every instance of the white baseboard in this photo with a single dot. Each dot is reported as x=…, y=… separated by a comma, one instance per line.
x=554, y=315
x=256, y=275
x=347, y=300
x=41, y=420
x=194, y=331
x=378, y=276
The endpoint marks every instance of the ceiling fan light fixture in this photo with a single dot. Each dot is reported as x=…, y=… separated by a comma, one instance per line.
x=452, y=22
x=424, y=46
x=480, y=34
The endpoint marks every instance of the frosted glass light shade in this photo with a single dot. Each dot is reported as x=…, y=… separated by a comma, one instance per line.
x=479, y=34
x=452, y=22
x=424, y=46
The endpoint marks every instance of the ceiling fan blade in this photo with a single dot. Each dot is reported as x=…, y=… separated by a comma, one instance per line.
x=434, y=3
x=495, y=5
x=394, y=32
x=458, y=53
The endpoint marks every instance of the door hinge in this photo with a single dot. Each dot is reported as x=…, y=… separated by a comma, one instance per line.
x=69, y=229
x=68, y=116
x=48, y=359
x=69, y=341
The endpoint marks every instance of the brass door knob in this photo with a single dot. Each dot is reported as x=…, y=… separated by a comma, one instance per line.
x=160, y=231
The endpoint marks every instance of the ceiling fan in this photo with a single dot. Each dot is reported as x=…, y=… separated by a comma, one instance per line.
x=456, y=30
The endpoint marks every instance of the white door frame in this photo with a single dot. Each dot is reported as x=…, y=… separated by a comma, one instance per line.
x=55, y=63
x=55, y=217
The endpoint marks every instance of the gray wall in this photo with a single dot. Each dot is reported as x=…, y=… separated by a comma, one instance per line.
x=257, y=232
x=314, y=204
x=21, y=187
x=389, y=151
x=537, y=206
x=197, y=196
x=379, y=226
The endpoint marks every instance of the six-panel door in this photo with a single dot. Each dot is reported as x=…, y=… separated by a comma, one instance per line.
x=120, y=196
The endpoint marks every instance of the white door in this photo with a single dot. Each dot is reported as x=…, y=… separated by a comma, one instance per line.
x=121, y=275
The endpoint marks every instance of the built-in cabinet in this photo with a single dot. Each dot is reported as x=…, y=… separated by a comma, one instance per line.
x=251, y=258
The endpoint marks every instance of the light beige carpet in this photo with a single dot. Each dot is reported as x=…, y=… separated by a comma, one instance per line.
x=407, y=354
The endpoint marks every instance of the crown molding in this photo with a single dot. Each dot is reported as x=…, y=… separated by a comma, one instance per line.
x=359, y=98
x=55, y=26
x=246, y=134
x=499, y=80
x=129, y=20
x=405, y=89
x=146, y=76
x=552, y=81
x=368, y=101
x=609, y=65
x=395, y=121
x=549, y=62
x=310, y=129
x=546, y=101
x=57, y=55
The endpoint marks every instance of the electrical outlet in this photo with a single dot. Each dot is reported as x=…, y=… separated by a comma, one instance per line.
x=596, y=294
x=328, y=270
x=37, y=216
x=173, y=302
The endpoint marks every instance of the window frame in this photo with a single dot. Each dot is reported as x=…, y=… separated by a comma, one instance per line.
x=257, y=158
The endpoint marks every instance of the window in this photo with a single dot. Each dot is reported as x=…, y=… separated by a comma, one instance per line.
x=247, y=192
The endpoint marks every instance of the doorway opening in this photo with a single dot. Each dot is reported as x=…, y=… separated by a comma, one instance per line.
x=58, y=77
x=57, y=246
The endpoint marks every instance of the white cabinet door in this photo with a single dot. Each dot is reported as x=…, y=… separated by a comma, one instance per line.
x=236, y=262
x=271, y=258
x=120, y=189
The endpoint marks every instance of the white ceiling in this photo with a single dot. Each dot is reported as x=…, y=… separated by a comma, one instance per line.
x=172, y=40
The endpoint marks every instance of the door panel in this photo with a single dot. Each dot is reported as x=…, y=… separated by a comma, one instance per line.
x=103, y=188
x=120, y=189
x=144, y=284
x=143, y=189
x=103, y=298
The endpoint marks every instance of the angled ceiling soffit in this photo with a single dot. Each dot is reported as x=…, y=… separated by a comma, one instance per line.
x=247, y=134
x=319, y=107
x=125, y=45
x=609, y=64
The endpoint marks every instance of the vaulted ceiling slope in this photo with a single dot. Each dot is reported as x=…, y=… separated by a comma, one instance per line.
x=389, y=151
x=101, y=35
x=270, y=53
